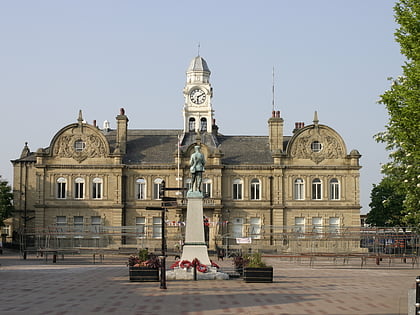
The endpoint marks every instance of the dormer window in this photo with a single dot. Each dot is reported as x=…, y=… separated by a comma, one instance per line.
x=79, y=145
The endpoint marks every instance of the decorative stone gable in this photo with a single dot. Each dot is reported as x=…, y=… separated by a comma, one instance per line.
x=79, y=142
x=317, y=143
x=79, y=147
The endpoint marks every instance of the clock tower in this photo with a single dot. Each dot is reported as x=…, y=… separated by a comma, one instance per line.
x=198, y=112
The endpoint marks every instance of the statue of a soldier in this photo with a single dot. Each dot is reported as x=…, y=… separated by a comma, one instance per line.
x=197, y=163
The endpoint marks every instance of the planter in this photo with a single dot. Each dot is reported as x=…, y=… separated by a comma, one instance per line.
x=144, y=274
x=261, y=274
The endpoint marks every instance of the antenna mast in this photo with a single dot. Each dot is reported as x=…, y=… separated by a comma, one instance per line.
x=273, y=90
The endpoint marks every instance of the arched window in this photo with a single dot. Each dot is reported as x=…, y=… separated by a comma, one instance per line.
x=156, y=188
x=97, y=187
x=316, y=189
x=203, y=124
x=61, y=188
x=299, y=189
x=255, y=189
x=79, y=188
x=140, y=189
x=191, y=124
x=237, y=189
x=334, y=189
x=207, y=187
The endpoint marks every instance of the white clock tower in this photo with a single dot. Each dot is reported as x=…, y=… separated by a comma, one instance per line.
x=198, y=112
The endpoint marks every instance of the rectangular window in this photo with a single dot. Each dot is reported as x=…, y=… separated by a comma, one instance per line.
x=300, y=227
x=78, y=226
x=255, y=189
x=156, y=191
x=316, y=189
x=96, y=223
x=207, y=189
x=140, y=189
x=237, y=191
x=61, y=222
x=334, y=226
x=317, y=226
x=238, y=227
x=157, y=227
x=78, y=190
x=299, y=189
x=141, y=227
x=61, y=190
x=255, y=228
x=97, y=190
x=334, y=189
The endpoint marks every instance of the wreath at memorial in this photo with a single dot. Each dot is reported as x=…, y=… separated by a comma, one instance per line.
x=186, y=264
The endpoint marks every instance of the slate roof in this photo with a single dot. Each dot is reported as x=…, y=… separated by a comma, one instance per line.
x=159, y=146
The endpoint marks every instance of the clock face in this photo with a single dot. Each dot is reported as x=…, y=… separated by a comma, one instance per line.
x=197, y=96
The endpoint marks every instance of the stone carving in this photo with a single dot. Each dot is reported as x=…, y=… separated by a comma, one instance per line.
x=331, y=147
x=93, y=146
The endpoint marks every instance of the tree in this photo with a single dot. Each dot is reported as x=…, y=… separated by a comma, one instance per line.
x=386, y=204
x=402, y=102
x=6, y=201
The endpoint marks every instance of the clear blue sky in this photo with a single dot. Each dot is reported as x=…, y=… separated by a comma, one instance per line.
x=332, y=56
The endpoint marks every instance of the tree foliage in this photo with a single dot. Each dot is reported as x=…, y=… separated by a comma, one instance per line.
x=386, y=204
x=6, y=201
x=402, y=101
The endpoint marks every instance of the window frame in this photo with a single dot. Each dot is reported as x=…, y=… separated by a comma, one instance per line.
x=141, y=227
x=255, y=189
x=299, y=189
x=157, y=227
x=207, y=187
x=255, y=234
x=140, y=193
x=317, y=189
x=79, y=188
x=156, y=188
x=237, y=189
x=334, y=189
x=238, y=227
x=97, y=188
x=61, y=183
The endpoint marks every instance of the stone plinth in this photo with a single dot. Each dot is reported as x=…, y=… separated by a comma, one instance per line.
x=195, y=244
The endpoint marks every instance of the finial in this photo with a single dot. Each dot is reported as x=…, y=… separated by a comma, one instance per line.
x=198, y=50
x=25, y=151
x=80, y=119
x=316, y=121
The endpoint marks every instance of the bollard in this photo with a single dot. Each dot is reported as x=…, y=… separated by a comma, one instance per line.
x=54, y=258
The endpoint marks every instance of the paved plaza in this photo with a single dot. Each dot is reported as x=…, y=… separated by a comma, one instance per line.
x=76, y=285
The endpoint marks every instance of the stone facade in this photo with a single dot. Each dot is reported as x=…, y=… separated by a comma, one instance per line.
x=90, y=187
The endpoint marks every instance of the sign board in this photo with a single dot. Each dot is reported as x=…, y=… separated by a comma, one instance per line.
x=243, y=240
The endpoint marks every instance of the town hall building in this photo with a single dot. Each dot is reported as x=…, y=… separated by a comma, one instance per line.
x=90, y=186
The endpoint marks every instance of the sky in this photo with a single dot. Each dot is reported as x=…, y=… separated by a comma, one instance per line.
x=329, y=56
